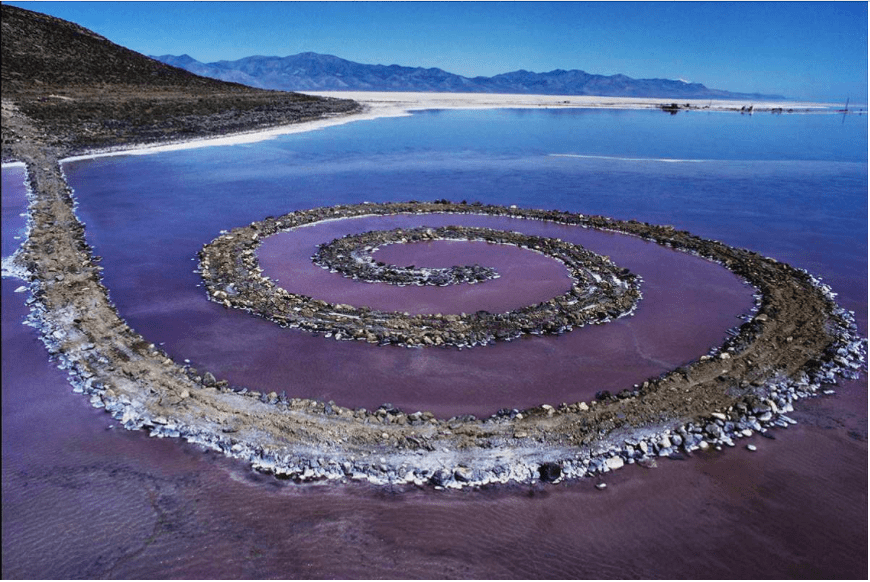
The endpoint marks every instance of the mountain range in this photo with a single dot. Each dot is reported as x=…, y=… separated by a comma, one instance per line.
x=317, y=72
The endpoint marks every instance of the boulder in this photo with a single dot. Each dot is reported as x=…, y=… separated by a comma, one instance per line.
x=614, y=463
x=550, y=472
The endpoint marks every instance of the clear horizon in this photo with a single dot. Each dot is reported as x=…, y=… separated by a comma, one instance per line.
x=802, y=50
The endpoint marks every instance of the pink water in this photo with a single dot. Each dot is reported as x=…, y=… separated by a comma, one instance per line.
x=526, y=277
x=688, y=304
x=83, y=499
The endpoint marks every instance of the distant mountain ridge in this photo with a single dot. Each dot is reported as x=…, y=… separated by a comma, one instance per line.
x=316, y=72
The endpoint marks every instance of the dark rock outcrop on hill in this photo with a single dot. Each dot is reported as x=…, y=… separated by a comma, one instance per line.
x=84, y=91
x=315, y=72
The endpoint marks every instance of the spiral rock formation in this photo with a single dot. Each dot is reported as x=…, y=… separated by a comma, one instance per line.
x=600, y=290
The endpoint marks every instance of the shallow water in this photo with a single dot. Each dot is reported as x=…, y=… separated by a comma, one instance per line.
x=14, y=205
x=670, y=324
x=81, y=500
x=525, y=277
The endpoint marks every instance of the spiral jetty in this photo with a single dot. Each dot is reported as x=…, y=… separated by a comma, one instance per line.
x=232, y=274
x=796, y=342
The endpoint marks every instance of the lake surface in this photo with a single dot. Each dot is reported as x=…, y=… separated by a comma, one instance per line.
x=81, y=499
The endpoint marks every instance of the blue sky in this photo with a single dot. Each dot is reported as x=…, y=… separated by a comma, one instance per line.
x=804, y=50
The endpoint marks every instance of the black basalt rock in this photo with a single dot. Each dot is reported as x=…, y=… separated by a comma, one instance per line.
x=550, y=472
x=440, y=478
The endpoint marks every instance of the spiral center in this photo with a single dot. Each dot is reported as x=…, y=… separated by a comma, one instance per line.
x=600, y=290
x=352, y=257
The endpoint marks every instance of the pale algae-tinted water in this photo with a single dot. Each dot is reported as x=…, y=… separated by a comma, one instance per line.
x=83, y=501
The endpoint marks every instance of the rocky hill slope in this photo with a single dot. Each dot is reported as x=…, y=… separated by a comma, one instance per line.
x=317, y=72
x=84, y=91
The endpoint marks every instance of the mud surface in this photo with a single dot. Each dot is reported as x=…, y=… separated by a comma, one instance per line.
x=797, y=341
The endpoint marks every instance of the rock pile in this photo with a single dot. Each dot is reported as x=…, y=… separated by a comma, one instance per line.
x=351, y=256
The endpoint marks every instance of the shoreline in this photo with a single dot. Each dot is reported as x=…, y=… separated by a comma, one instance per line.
x=376, y=105
x=141, y=387
x=417, y=101
x=239, y=138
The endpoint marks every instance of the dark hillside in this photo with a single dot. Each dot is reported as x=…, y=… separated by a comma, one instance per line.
x=43, y=52
x=85, y=91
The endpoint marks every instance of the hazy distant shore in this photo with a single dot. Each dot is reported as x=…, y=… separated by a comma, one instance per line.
x=389, y=104
x=418, y=101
